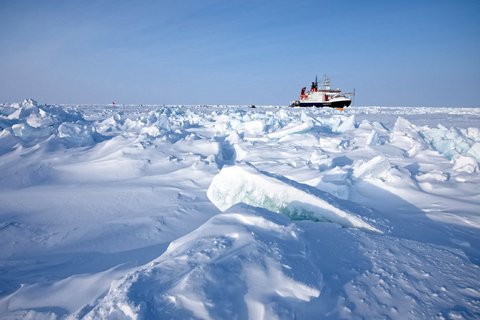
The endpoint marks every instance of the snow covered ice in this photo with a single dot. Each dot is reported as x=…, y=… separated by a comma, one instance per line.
x=227, y=212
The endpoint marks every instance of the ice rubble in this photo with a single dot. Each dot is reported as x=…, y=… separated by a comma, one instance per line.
x=243, y=184
x=377, y=167
x=454, y=141
x=32, y=123
x=125, y=182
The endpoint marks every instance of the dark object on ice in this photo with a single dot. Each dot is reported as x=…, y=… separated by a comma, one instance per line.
x=252, y=106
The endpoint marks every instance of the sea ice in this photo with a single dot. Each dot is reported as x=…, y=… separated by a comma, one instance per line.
x=221, y=212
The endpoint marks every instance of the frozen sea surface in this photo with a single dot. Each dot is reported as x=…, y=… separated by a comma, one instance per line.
x=230, y=212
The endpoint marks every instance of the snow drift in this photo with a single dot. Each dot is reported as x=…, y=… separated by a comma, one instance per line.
x=241, y=264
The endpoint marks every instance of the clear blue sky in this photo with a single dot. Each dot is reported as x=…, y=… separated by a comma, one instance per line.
x=397, y=52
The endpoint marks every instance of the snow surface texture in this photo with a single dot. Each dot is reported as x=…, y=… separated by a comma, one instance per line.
x=224, y=212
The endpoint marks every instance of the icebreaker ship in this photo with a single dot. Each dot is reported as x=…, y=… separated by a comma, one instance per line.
x=324, y=97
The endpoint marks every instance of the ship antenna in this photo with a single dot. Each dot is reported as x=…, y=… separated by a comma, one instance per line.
x=326, y=82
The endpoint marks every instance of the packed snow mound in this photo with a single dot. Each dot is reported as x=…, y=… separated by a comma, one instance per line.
x=242, y=264
x=465, y=164
x=244, y=184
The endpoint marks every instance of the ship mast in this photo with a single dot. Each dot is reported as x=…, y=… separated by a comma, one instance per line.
x=326, y=82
